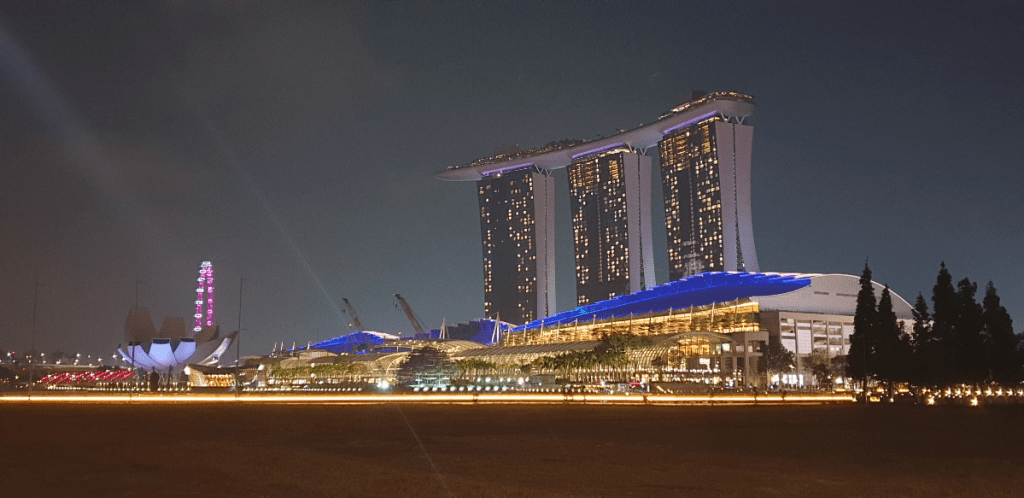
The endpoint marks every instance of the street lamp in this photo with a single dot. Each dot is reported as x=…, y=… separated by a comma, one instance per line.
x=238, y=341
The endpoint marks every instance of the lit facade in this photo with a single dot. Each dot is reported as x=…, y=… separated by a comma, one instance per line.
x=708, y=329
x=174, y=346
x=517, y=232
x=516, y=200
x=716, y=324
x=610, y=198
x=705, y=171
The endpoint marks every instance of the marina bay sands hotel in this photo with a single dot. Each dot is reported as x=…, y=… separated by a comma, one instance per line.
x=704, y=148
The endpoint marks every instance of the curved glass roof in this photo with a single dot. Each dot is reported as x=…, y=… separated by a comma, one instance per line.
x=698, y=290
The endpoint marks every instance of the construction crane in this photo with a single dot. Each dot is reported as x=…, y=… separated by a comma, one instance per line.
x=352, y=313
x=408, y=312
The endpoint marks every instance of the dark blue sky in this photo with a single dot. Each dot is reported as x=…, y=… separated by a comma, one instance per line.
x=296, y=144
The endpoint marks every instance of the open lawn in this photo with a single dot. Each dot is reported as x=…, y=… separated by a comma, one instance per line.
x=509, y=450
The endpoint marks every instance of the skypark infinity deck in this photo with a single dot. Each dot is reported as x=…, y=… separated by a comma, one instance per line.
x=729, y=104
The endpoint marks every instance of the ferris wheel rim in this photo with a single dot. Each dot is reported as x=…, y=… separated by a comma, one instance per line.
x=204, y=295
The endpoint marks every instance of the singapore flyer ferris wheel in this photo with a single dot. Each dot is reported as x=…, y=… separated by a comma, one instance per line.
x=204, y=295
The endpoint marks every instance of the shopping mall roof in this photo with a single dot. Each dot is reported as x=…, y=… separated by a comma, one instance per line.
x=699, y=290
x=346, y=343
x=829, y=294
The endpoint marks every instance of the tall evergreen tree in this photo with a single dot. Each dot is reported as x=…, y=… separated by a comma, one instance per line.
x=945, y=304
x=1002, y=347
x=892, y=349
x=775, y=359
x=921, y=345
x=968, y=341
x=860, y=361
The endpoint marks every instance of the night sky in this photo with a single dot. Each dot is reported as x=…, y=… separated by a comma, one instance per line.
x=296, y=144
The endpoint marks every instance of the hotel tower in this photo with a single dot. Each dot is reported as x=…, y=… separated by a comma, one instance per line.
x=517, y=228
x=610, y=197
x=705, y=174
x=704, y=146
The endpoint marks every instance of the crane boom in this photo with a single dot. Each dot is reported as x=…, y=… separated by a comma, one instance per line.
x=352, y=313
x=408, y=312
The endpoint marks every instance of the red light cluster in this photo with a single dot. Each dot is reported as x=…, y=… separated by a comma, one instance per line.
x=87, y=377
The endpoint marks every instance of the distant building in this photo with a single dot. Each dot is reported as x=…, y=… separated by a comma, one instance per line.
x=707, y=330
x=517, y=228
x=480, y=331
x=173, y=347
x=714, y=326
x=610, y=198
x=705, y=151
x=705, y=173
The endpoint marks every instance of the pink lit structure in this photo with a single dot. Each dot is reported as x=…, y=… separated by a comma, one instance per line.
x=205, y=287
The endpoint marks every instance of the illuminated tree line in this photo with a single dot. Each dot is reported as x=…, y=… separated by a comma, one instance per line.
x=321, y=371
x=959, y=342
x=610, y=354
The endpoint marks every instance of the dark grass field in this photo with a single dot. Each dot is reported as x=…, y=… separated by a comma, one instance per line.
x=509, y=450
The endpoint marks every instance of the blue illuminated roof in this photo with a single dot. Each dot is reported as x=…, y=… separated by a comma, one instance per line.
x=698, y=290
x=347, y=343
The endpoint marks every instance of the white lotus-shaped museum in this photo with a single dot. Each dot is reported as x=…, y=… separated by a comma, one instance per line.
x=171, y=349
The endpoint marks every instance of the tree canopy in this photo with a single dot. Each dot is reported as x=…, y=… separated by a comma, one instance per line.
x=428, y=364
x=862, y=359
x=959, y=342
x=775, y=358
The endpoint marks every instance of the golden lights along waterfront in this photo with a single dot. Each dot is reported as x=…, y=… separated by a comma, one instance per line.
x=966, y=396
x=510, y=398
